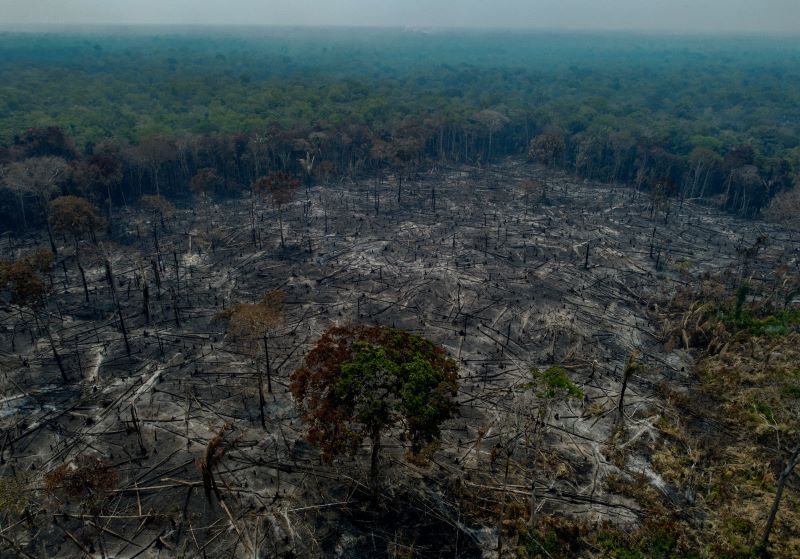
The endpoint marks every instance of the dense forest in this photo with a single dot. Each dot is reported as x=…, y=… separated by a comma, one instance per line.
x=138, y=111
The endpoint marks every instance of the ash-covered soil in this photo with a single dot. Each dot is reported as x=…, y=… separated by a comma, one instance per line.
x=498, y=276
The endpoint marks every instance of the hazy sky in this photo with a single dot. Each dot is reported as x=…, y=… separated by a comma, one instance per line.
x=677, y=15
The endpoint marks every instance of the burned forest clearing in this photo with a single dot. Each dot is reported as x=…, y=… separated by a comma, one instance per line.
x=137, y=421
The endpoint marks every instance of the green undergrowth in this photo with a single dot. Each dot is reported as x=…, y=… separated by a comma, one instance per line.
x=725, y=438
x=780, y=323
x=555, y=382
x=559, y=538
x=784, y=321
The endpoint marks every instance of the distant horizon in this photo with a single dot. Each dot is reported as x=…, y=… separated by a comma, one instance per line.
x=73, y=26
x=749, y=17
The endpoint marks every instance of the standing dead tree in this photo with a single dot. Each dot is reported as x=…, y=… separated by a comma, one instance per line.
x=280, y=187
x=633, y=365
x=76, y=216
x=791, y=463
x=203, y=185
x=160, y=208
x=39, y=176
x=22, y=279
x=251, y=326
x=532, y=186
x=115, y=299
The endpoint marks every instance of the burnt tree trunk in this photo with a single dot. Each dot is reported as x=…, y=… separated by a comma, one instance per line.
x=110, y=277
x=267, y=365
x=261, y=399
x=56, y=355
x=586, y=258
x=280, y=223
x=787, y=471
x=81, y=271
x=375, y=438
x=146, y=301
x=50, y=237
x=399, y=186
x=626, y=375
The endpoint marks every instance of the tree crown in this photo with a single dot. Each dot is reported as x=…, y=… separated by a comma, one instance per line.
x=157, y=204
x=250, y=322
x=23, y=278
x=280, y=186
x=73, y=214
x=358, y=381
x=205, y=181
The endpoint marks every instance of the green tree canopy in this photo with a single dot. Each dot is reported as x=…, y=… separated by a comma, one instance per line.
x=359, y=381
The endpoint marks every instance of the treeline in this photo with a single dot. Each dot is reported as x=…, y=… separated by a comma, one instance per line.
x=741, y=180
x=113, y=118
x=44, y=163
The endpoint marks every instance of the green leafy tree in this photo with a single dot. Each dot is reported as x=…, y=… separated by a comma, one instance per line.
x=554, y=384
x=534, y=407
x=358, y=382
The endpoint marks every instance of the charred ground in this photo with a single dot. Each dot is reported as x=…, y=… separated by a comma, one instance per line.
x=506, y=274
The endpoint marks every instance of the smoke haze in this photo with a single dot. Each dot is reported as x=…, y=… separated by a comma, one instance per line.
x=753, y=16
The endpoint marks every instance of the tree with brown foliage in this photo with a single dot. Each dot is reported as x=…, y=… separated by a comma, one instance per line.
x=281, y=188
x=250, y=328
x=785, y=206
x=24, y=283
x=76, y=216
x=151, y=154
x=360, y=382
x=45, y=141
x=88, y=478
x=203, y=184
x=99, y=176
x=548, y=147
